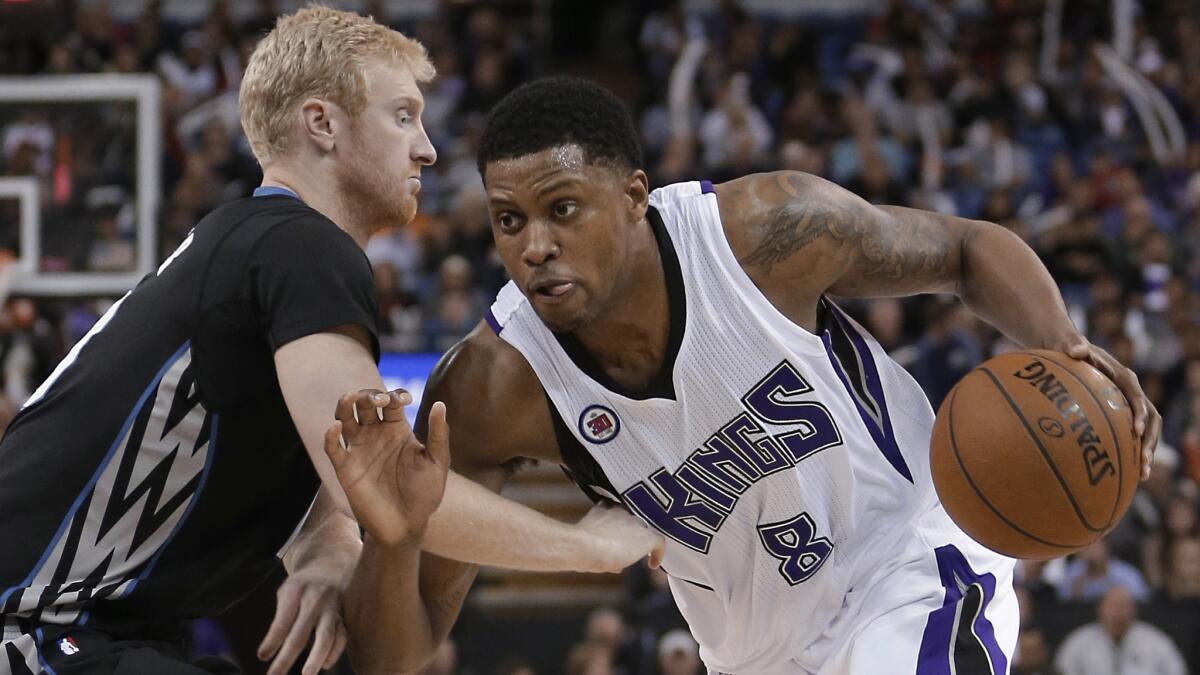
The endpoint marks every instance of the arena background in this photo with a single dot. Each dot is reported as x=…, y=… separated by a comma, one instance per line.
x=1075, y=123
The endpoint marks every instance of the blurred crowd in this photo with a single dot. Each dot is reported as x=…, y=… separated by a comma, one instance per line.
x=1076, y=124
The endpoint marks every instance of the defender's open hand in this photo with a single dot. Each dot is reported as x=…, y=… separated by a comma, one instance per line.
x=393, y=482
x=307, y=604
x=622, y=539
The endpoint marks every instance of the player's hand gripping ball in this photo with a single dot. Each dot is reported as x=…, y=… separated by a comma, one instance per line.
x=1034, y=454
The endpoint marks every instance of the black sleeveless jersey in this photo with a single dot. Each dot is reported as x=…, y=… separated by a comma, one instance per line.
x=157, y=472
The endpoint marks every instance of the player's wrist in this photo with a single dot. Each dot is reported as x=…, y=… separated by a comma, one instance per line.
x=1059, y=340
x=334, y=546
x=398, y=540
x=604, y=553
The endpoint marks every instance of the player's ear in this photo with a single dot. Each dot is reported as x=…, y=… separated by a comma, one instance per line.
x=317, y=122
x=637, y=193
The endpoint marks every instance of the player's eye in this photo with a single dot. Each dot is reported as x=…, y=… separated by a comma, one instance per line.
x=508, y=222
x=564, y=209
x=403, y=117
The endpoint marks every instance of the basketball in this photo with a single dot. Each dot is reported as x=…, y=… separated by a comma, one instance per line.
x=1034, y=454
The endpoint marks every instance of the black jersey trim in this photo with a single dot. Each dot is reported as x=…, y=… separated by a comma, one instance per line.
x=662, y=385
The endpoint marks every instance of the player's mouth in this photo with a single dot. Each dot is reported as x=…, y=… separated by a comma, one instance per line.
x=553, y=290
x=415, y=183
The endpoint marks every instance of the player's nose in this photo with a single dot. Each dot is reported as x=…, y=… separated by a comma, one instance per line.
x=540, y=245
x=423, y=151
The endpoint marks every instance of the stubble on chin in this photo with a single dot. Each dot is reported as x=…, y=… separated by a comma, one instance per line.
x=375, y=202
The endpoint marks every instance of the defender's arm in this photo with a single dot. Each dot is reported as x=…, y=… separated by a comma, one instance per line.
x=498, y=415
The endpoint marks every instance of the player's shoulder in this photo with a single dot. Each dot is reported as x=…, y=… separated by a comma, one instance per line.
x=495, y=403
x=748, y=198
x=482, y=359
x=274, y=219
x=282, y=231
x=265, y=210
x=766, y=215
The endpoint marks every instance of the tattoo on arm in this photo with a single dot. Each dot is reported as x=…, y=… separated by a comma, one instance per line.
x=793, y=226
x=908, y=243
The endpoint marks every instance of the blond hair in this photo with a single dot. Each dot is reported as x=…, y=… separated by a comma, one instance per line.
x=316, y=52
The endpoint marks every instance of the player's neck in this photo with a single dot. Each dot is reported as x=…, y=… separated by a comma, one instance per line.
x=319, y=194
x=630, y=340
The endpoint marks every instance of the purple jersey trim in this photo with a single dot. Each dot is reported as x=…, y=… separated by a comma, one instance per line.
x=492, y=322
x=706, y=187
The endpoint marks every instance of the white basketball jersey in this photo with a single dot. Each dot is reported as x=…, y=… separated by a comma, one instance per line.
x=782, y=466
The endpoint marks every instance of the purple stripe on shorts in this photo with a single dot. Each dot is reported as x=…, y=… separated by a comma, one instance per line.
x=935, y=652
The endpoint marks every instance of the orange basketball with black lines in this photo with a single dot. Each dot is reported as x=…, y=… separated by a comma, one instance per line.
x=1034, y=454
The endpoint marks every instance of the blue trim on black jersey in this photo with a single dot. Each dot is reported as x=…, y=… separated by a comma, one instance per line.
x=275, y=191
x=91, y=484
x=40, y=640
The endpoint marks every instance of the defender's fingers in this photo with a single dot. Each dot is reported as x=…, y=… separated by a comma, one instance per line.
x=333, y=446
x=297, y=637
x=366, y=403
x=656, y=557
x=323, y=641
x=438, y=440
x=287, y=603
x=339, y=646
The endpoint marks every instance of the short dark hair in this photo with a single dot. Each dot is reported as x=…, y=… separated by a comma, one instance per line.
x=554, y=111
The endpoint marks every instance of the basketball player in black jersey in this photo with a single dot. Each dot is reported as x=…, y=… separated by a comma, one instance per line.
x=155, y=475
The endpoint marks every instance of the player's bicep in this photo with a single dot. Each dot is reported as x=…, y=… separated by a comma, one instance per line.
x=492, y=400
x=314, y=372
x=826, y=238
x=900, y=251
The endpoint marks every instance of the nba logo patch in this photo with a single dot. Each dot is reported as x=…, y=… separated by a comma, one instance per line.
x=599, y=424
x=68, y=646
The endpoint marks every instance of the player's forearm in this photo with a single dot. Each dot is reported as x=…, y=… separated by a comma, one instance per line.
x=1005, y=284
x=476, y=525
x=390, y=629
x=328, y=537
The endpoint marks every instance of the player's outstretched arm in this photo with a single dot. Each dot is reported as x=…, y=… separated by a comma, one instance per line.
x=806, y=236
x=499, y=416
x=393, y=483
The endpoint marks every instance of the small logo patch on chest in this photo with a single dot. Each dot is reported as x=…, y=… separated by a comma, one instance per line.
x=599, y=424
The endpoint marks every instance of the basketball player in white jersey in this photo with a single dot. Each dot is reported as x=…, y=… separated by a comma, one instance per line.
x=676, y=352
